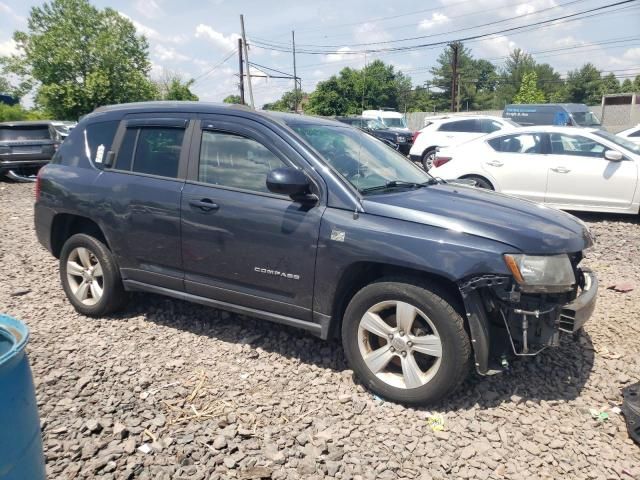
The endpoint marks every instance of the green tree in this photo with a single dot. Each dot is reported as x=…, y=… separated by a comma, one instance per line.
x=376, y=86
x=636, y=83
x=610, y=84
x=287, y=103
x=627, y=86
x=232, y=99
x=172, y=86
x=80, y=57
x=584, y=85
x=529, y=91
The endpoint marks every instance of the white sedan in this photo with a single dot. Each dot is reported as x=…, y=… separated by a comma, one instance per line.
x=632, y=134
x=563, y=167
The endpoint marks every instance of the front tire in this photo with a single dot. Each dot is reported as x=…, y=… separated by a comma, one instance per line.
x=481, y=182
x=406, y=342
x=90, y=277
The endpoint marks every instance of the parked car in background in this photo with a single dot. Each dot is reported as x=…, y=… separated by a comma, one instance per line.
x=400, y=140
x=395, y=122
x=563, y=167
x=63, y=127
x=631, y=134
x=26, y=146
x=451, y=130
x=559, y=114
x=313, y=224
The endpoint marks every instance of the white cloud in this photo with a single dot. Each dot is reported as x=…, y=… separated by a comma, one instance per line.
x=6, y=10
x=436, y=19
x=498, y=46
x=221, y=41
x=370, y=32
x=149, y=8
x=632, y=54
x=8, y=47
x=342, y=53
x=169, y=54
x=152, y=33
x=525, y=9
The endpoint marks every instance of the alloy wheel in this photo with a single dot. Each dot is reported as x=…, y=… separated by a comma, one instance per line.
x=399, y=344
x=84, y=275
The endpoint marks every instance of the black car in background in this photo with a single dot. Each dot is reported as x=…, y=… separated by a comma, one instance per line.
x=397, y=136
x=25, y=147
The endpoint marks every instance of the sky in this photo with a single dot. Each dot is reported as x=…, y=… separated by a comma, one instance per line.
x=194, y=37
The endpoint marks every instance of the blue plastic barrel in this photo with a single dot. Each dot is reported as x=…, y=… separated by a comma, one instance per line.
x=20, y=441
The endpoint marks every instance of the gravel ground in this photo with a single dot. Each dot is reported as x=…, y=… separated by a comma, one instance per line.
x=211, y=395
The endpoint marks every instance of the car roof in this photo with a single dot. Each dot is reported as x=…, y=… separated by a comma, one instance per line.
x=26, y=123
x=469, y=116
x=214, y=107
x=551, y=129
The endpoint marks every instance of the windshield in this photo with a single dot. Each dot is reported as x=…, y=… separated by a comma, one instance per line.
x=374, y=124
x=35, y=132
x=394, y=122
x=620, y=141
x=363, y=160
x=585, y=119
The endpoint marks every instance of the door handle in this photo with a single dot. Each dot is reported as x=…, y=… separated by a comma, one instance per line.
x=560, y=170
x=206, y=204
x=495, y=163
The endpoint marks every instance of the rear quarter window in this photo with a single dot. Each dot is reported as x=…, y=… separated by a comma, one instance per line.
x=87, y=145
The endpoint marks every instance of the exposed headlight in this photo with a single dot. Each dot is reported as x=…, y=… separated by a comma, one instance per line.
x=402, y=139
x=537, y=273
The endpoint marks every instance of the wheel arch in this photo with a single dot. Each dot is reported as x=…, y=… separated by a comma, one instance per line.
x=483, y=176
x=360, y=274
x=64, y=225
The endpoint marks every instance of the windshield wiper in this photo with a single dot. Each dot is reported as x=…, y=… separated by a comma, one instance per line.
x=398, y=184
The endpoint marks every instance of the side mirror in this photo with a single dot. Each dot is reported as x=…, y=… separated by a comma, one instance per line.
x=613, y=156
x=289, y=181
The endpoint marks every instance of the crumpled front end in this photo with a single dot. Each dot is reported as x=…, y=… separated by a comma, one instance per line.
x=505, y=321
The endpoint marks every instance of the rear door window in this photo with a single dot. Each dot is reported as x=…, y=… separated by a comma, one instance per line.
x=151, y=150
x=518, y=143
x=490, y=126
x=465, y=126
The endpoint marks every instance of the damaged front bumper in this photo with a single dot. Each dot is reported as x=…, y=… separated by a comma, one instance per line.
x=504, y=321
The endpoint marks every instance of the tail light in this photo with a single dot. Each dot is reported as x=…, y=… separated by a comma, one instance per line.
x=38, y=184
x=439, y=161
x=415, y=136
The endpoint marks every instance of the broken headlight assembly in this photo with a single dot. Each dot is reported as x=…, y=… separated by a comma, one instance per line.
x=541, y=273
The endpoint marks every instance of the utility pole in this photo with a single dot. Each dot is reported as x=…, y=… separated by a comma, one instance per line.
x=454, y=74
x=246, y=59
x=295, y=76
x=241, y=84
x=364, y=79
x=458, y=93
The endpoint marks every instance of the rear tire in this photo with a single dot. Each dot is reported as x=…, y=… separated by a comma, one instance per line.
x=406, y=342
x=90, y=276
x=427, y=159
x=481, y=182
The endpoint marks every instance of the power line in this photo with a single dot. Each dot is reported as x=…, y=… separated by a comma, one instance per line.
x=556, y=21
x=217, y=65
x=444, y=33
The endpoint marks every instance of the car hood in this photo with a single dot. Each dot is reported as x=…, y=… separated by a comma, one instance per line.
x=526, y=226
x=401, y=131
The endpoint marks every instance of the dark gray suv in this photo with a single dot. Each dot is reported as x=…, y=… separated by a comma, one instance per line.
x=314, y=224
x=26, y=146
